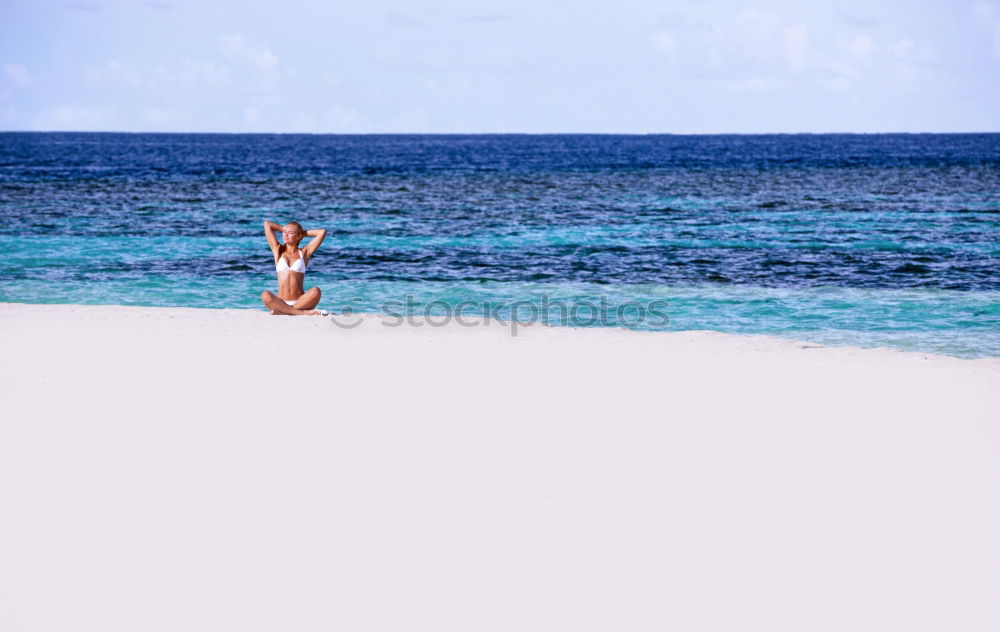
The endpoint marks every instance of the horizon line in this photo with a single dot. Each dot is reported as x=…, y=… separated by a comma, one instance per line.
x=888, y=133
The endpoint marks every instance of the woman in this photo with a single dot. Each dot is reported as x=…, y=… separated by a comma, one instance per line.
x=290, y=262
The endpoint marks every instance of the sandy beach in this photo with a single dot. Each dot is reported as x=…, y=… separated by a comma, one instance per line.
x=173, y=468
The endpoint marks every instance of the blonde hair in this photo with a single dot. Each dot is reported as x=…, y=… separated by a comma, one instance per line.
x=302, y=234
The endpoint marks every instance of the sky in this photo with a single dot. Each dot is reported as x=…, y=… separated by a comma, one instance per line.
x=537, y=66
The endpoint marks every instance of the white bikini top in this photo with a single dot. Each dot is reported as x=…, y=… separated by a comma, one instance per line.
x=298, y=266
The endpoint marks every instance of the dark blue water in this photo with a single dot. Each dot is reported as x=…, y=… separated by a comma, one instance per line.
x=843, y=239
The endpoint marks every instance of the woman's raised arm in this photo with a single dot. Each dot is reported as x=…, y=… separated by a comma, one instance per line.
x=269, y=230
x=318, y=234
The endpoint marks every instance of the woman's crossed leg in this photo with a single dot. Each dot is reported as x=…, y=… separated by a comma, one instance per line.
x=304, y=306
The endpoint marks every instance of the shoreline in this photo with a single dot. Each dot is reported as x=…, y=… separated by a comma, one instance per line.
x=192, y=468
x=374, y=319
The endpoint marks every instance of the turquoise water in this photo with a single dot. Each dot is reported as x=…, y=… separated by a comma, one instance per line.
x=844, y=240
x=960, y=323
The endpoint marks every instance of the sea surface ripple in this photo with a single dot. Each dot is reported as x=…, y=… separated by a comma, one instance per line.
x=887, y=240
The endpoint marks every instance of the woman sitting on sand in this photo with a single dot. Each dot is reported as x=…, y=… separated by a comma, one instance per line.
x=290, y=261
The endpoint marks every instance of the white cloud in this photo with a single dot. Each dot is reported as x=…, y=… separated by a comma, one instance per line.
x=763, y=51
x=191, y=73
x=753, y=84
x=713, y=39
x=862, y=46
x=663, y=42
x=861, y=63
x=9, y=116
x=412, y=78
x=901, y=49
x=796, y=43
x=482, y=18
x=759, y=20
x=168, y=119
x=839, y=77
x=332, y=119
x=442, y=60
x=848, y=63
x=494, y=58
x=396, y=55
x=238, y=48
x=395, y=18
x=909, y=65
x=282, y=119
x=79, y=119
x=16, y=74
x=114, y=71
x=339, y=119
x=989, y=16
x=750, y=51
x=756, y=36
x=753, y=50
x=181, y=74
x=251, y=115
x=666, y=44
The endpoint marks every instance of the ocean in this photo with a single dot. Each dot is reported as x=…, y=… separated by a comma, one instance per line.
x=869, y=240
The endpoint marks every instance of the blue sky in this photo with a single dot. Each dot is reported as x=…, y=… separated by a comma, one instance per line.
x=627, y=66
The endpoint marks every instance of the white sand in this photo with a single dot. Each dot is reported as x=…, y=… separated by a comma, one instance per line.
x=181, y=469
